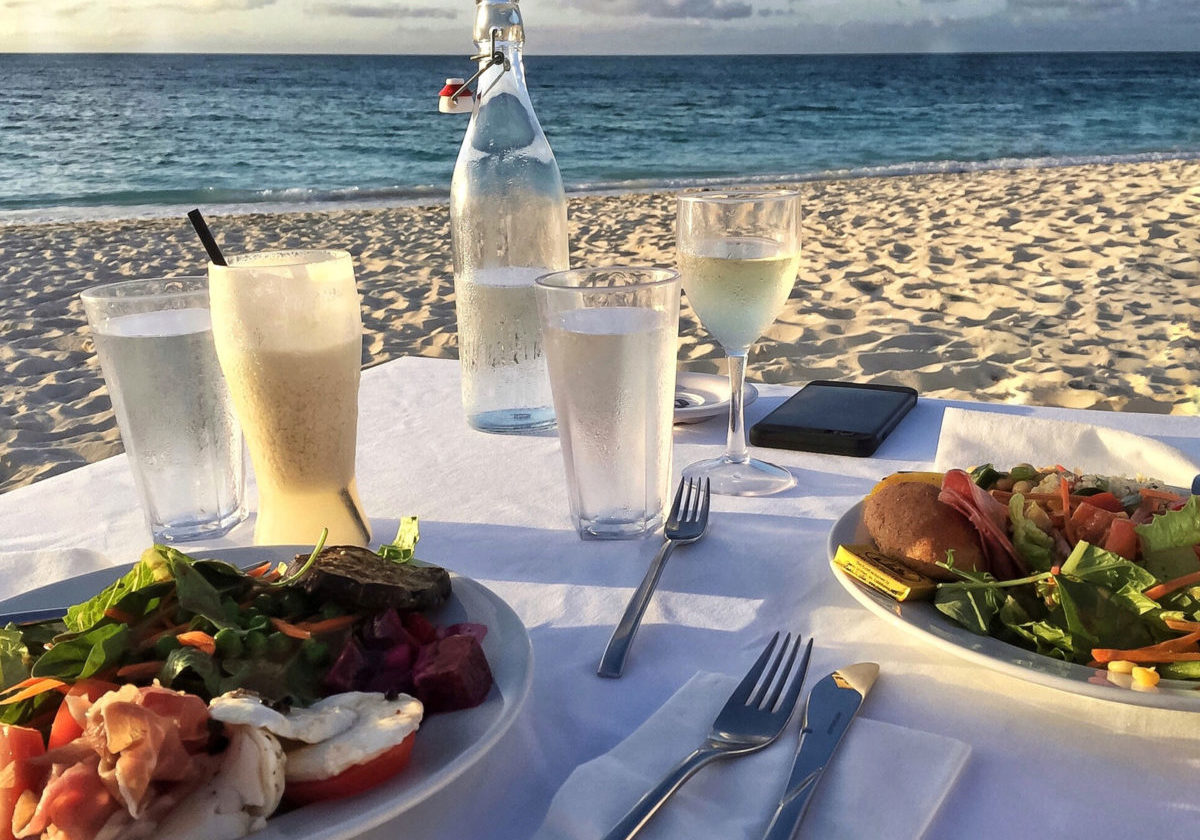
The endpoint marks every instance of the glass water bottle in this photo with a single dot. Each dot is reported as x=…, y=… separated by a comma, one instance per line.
x=508, y=222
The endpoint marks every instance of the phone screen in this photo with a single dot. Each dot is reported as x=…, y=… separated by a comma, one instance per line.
x=841, y=418
x=840, y=408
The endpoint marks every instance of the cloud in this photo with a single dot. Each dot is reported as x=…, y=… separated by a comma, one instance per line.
x=383, y=10
x=1081, y=6
x=677, y=9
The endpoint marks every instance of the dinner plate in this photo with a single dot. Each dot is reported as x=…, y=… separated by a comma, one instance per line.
x=923, y=620
x=699, y=396
x=447, y=744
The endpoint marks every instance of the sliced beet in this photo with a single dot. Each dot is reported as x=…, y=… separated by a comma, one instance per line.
x=345, y=673
x=451, y=673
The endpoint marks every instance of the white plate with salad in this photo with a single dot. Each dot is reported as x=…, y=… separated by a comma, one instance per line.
x=447, y=744
x=924, y=621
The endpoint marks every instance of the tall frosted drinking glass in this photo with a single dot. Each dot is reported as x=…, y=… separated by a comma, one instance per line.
x=288, y=332
x=155, y=343
x=610, y=337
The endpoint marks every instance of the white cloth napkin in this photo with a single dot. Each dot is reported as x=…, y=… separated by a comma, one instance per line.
x=885, y=781
x=969, y=438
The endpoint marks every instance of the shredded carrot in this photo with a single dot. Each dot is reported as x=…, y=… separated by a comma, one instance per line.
x=1167, y=587
x=1161, y=495
x=259, y=571
x=327, y=625
x=289, y=629
x=172, y=630
x=199, y=640
x=118, y=615
x=1180, y=642
x=1145, y=655
x=1065, y=497
x=139, y=670
x=1179, y=624
x=32, y=687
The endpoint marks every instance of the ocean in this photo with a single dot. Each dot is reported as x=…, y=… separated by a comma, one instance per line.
x=103, y=136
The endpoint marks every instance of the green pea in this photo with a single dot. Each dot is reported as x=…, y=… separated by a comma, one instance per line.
x=314, y=651
x=292, y=603
x=231, y=609
x=331, y=610
x=164, y=646
x=255, y=644
x=278, y=646
x=228, y=643
x=265, y=603
x=260, y=623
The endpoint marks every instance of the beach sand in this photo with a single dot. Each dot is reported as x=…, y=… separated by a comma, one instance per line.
x=1073, y=286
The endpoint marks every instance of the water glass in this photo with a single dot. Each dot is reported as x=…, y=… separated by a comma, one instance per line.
x=610, y=338
x=288, y=331
x=155, y=343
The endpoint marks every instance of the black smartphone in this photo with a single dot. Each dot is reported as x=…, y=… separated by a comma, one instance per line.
x=836, y=418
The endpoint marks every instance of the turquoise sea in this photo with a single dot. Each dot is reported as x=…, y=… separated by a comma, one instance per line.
x=85, y=136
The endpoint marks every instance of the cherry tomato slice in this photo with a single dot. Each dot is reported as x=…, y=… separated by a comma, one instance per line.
x=65, y=728
x=353, y=779
x=17, y=745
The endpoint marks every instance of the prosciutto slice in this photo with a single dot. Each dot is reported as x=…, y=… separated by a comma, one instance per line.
x=990, y=518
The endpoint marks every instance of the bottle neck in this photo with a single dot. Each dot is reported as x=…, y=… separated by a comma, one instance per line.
x=501, y=15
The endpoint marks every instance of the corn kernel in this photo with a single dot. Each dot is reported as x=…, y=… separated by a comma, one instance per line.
x=1145, y=677
x=1121, y=666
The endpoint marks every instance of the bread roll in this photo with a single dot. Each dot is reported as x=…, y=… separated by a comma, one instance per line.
x=907, y=522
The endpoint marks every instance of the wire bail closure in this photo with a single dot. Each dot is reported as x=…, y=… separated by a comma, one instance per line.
x=494, y=56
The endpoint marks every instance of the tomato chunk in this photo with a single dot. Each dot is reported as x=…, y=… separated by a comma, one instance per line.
x=1105, y=501
x=65, y=728
x=17, y=745
x=354, y=779
x=1122, y=539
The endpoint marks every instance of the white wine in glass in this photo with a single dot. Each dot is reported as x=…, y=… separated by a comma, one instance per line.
x=738, y=254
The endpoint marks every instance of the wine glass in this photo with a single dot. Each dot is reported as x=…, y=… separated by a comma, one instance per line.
x=738, y=253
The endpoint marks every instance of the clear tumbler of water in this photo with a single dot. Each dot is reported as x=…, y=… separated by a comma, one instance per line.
x=155, y=343
x=610, y=338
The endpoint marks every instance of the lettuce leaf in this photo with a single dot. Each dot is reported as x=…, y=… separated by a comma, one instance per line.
x=151, y=568
x=14, y=656
x=1033, y=545
x=1167, y=541
x=1173, y=529
x=1125, y=581
x=403, y=547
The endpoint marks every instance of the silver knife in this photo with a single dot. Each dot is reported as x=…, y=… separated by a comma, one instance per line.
x=831, y=706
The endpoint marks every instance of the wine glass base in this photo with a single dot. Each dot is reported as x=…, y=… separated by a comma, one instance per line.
x=741, y=478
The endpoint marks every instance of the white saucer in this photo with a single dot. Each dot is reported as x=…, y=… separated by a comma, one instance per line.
x=699, y=396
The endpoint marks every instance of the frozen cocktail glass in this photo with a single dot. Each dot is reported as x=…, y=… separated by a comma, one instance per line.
x=155, y=343
x=288, y=332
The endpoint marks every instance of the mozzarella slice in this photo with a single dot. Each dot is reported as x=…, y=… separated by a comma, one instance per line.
x=379, y=725
x=310, y=725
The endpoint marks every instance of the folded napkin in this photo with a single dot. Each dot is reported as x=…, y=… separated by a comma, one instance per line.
x=969, y=438
x=885, y=781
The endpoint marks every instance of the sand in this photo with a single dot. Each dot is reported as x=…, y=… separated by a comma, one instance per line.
x=1070, y=286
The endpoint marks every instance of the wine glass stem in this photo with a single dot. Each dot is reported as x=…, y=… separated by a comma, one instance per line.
x=735, y=447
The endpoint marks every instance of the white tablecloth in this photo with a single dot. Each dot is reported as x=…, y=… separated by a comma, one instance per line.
x=1042, y=763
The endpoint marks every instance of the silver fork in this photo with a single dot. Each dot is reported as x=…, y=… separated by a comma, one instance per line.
x=744, y=724
x=686, y=523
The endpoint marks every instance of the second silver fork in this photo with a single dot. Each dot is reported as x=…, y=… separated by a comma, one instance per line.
x=686, y=523
x=749, y=721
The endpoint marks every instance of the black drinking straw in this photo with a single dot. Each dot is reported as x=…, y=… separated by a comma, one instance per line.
x=206, y=237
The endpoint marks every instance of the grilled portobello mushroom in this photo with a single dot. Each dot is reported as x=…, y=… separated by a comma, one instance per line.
x=358, y=579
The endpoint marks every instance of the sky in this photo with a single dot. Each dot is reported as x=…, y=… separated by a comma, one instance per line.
x=556, y=27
